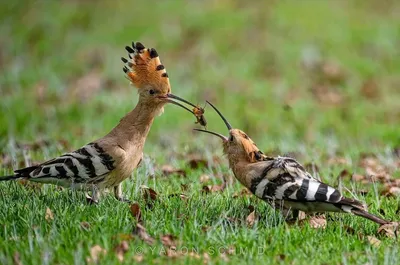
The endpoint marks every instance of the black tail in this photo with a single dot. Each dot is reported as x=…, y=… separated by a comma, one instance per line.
x=358, y=208
x=10, y=177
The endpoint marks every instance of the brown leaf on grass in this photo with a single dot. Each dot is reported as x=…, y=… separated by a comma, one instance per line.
x=141, y=232
x=349, y=230
x=16, y=259
x=373, y=241
x=389, y=230
x=169, y=240
x=391, y=191
x=121, y=249
x=85, y=226
x=49, y=215
x=149, y=194
x=357, y=178
x=327, y=95
x=244, y=192
x=196, y=162
x=374, y=169
x=370, y=89
x=338, y=161
x=250, y=219
x=138, y=258
x=317, y=221
x=204, y=178
x=344, y=174
x=95, y=254
x=168, y=170
x=86, y=87
x=333, y=72
x=135, y=211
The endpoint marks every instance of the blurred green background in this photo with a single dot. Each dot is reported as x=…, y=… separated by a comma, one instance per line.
x=320, y=73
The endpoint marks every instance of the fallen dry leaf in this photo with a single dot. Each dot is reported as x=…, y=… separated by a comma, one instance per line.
x=168, y=170
x=251, y=219
x=357, y=177
x=140, y=231
x=85, y=225
x=196, y=162
x=135, y=211
x=370, y=89
x=391, y=191
x=49, y=215
x=169, y=240
x=333, y=72
x=349, y=230
x=95, y=254
x=121, y=249
x=327, y=95
x=138, y=258
x=373, y=241
x=318, y=221
x=149, y=195
x=389, y=230
x=244, y=192
x=204, y=178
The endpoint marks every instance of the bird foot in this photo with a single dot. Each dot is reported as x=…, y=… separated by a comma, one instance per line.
x=91, y=201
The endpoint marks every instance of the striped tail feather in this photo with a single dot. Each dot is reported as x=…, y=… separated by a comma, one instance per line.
x=358, y=208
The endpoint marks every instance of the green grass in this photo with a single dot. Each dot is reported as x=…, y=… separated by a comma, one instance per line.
x=248, y=59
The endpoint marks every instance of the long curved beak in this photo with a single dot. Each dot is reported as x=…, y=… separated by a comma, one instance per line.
x=222, y=117
x=170, y=98
x=224, y=138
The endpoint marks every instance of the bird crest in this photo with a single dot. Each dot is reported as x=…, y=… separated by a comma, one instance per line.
x=144, y=68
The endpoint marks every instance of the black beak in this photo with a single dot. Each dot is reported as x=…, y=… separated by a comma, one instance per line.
x=171, y=96
x=224, y=138
x=222, y=117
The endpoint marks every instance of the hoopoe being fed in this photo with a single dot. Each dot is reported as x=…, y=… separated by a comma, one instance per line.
x=282, y=181
x=106, y=162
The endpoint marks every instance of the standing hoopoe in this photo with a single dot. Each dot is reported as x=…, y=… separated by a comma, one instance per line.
x=282, y=181
x=108, y=161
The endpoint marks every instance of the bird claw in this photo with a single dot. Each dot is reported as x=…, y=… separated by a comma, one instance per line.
x=91, y=201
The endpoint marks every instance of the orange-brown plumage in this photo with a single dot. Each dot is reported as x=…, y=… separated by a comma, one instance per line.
x=106, y=162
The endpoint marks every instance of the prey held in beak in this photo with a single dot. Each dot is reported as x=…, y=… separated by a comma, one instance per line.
x=197, y=111
x=228, y=125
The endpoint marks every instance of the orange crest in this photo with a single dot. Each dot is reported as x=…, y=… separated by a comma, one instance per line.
x=144, y=69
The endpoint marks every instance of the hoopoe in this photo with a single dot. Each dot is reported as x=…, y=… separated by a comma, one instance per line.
x=282, y=181
x=108, y=161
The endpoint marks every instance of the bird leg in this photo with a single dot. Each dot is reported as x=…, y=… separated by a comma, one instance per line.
x=118, y=194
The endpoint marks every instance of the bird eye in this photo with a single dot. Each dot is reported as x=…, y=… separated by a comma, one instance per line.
x=152, y=92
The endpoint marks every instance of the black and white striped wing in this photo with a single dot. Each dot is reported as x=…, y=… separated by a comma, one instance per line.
x=89, y=164
x=285, y=179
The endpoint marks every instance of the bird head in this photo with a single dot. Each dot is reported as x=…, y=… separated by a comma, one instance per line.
x=237, y=145
x=146, y=72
